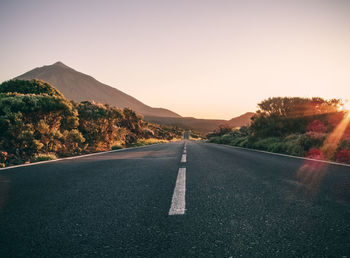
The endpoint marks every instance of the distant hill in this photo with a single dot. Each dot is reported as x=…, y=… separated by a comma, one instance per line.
x=78, y=86
x=202, y=125
x=241, y=120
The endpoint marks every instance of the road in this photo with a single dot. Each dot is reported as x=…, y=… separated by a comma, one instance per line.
x=218, y=202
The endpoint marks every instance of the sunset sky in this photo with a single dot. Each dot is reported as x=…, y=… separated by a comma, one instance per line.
x=206, y=59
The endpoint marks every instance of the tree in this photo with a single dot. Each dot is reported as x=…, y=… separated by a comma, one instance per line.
x=278, y=117
x=298, y=107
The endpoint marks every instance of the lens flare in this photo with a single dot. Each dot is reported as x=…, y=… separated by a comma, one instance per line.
x=347, y=106
x=347, y=109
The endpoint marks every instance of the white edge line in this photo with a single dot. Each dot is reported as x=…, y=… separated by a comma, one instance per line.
x=284, y=155
x=178, y=202
x=77, y=157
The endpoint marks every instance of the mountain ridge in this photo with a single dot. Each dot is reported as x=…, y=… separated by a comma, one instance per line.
x=78, y=87
x=203, y=125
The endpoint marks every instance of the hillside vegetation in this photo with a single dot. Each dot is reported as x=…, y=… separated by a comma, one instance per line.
x=38, y=123
x=306, y=127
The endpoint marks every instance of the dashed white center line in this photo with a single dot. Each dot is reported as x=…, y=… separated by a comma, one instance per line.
x=178, y=203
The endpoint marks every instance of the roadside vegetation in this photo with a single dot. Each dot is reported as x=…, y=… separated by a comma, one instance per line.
x=38, y=123
x=306, y=127
x=195, y=136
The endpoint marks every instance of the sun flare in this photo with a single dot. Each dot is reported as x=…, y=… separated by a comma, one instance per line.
x=346, y=106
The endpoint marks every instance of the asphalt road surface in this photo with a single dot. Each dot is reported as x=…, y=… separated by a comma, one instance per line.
x=218, y=201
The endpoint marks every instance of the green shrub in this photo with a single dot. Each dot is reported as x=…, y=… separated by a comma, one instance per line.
x=345, y=144
x=215, y=139
x=34, y=86
x=227, y=138
x=243, y=142
x=44, y=157
x=238, y=140
x=117, y=147
x=136, y=144
x=297, y=144
x=268, y=144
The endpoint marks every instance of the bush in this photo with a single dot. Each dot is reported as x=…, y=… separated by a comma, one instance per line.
x=344, y=145
x=3, y=158
x=73, y=143
x=294, y=126
x=300, y=144
x=44, y=157
x=35, y=118
x=243, y=142
x=227, y=138
x=296, y=145
x=215, y=139
x=315, y=154
x=240, y=141
x=343, y=156
x=272, y=144
x=34, y=86
x=117, y=147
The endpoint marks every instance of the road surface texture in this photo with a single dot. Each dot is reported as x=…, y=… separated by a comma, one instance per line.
x=218, y=202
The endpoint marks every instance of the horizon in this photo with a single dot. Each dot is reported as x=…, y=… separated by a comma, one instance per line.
x=67, y=66
x=193, y=59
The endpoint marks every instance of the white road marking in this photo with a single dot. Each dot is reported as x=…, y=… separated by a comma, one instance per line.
x=178, y=203
x=183, y=158
x=184, y=151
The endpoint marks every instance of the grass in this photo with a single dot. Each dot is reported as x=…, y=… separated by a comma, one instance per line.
x=44, y=157
x=117, y=147
x=145, y=142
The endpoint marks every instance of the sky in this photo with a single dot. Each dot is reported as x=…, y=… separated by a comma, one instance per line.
x=204, y=59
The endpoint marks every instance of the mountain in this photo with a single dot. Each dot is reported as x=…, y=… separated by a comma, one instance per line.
x=203, y=126
x=78, y=86
x=241, y=120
